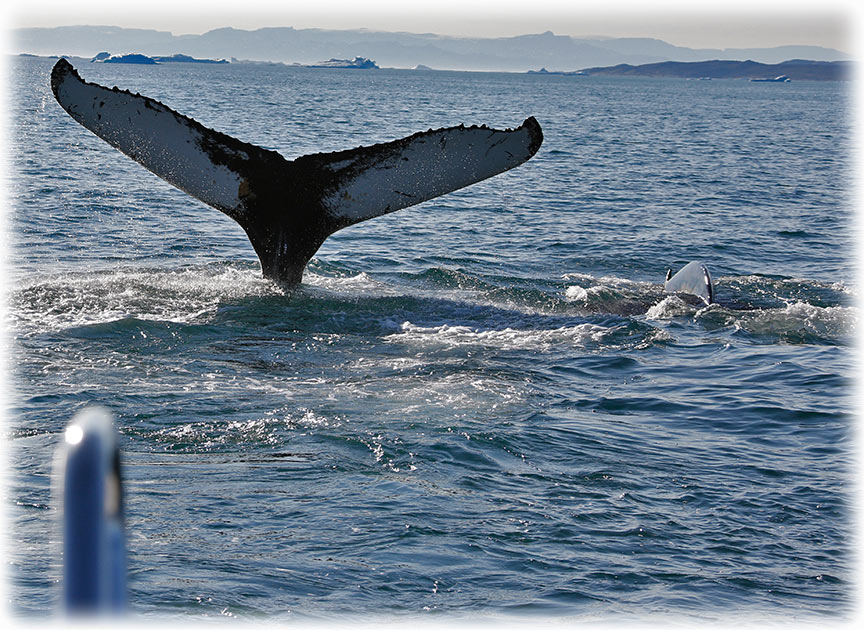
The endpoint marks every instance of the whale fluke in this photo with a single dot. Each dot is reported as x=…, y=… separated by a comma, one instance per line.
x=289, y=207
x=692, y=278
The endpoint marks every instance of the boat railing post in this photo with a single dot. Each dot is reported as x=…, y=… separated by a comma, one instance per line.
x=94, y=547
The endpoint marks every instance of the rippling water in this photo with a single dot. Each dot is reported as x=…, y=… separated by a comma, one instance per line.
x=484, y=405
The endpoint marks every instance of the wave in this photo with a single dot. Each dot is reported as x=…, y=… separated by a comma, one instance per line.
x=437, y=306
x=795, y=322
x=611, y=294
x=800, y=322
x=70, y=300
x=211, y=435
x=587, y=336
x=772, y=309
x=507, y=338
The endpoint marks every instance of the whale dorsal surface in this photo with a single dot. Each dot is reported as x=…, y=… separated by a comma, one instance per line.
x=288, y=207
x=692, y=278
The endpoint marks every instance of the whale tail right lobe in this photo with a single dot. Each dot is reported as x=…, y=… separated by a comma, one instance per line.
x=289, y=207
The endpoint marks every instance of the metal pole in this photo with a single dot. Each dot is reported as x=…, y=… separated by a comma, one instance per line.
x=94, y=548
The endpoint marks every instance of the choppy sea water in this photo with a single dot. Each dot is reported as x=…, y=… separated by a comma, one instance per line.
x=481, y=406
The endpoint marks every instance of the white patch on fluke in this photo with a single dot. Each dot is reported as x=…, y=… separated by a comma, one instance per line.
x=152, y=135
x=423, y=167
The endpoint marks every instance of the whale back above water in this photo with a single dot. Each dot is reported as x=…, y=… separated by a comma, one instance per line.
x=693, y=279
x=289, y=207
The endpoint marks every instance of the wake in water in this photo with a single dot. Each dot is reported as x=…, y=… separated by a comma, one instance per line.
x=56, y=302
x=785, y=310
x=437, y=307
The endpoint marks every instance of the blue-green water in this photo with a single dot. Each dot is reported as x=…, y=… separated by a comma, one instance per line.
x=483, y=405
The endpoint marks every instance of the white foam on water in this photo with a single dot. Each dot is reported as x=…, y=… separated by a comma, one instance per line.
x=801, y=317
x=610, y=294
x=670, y=307
x=797, y=317
x=602, y=292
x=507, y=338
x=612, y=281
x=210, y=434
x=57, y=302
x=576, y=293
x=361, y=283
x=207, y=435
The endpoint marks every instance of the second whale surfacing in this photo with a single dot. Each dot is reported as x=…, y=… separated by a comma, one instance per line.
x=289, y=207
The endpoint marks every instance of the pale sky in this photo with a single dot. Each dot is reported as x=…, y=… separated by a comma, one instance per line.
x=696, y=24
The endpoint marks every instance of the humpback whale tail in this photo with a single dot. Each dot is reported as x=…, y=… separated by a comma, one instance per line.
x=692, y=278
x=289, y=207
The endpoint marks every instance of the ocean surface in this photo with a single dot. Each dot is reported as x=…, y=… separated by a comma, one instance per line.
x=482, y=406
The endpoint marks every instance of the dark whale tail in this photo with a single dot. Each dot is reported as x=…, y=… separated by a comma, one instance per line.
x=289, y=207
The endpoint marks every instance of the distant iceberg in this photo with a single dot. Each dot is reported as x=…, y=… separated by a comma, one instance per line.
x=572, y=73
x=781, y=79
x=358, y=63
x=132, y=58
x=104, y=57
x=178, y=58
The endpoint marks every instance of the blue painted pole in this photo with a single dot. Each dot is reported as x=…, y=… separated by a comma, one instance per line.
x=94, y=548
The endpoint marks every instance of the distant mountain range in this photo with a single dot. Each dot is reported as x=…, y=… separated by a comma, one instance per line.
x=797, y=69
x=399, y=50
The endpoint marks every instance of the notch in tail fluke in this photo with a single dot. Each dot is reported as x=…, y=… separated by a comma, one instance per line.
x=289, y=207
x=694, y=279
